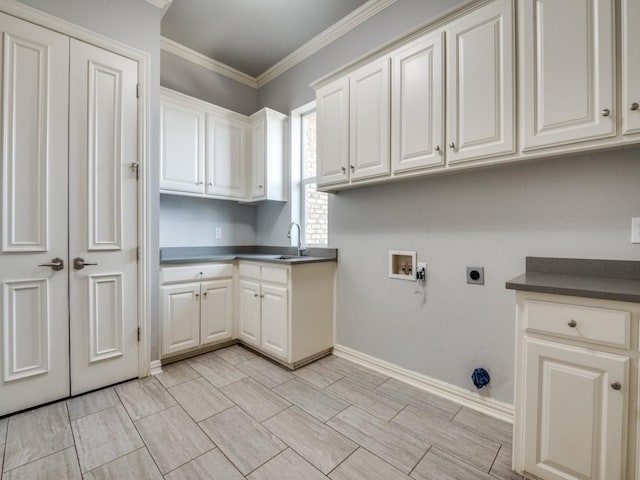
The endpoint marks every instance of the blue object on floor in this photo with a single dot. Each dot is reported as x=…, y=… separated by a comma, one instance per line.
x=480, y=378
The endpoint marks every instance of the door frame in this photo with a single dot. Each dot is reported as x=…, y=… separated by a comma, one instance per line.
x=143, y=59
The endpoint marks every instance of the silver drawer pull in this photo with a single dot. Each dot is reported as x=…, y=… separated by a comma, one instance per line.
x=605, y=112
x=572, y=323
x=616, y=385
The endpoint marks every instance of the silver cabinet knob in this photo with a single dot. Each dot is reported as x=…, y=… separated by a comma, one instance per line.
x=436, y=148
x=572, y=323
x=56, y=264
x=79, y=263
x=452, y=145
x=210, y=184
x=197, y=296
x=353, y=169
x=260, y=187
x=344, y=170
x=616, y=385
x=605, y=112
x=256, y=295
x=634, y=106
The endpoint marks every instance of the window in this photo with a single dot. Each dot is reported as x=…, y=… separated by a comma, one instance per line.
x=314, y=205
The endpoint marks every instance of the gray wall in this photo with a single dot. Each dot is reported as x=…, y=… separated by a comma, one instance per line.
x=135, y=23
x=564, y=207
x=185, y=77
x=192, y=222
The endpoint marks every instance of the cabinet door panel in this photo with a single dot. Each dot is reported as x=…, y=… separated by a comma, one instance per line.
x=332, y=103
x=275, y=321
x=574, y=420
x=417, y=106
x=216, y=311
x=249, y=312
x=480, y=84
x=180, y=317
x=181, y=147
x=369, y=94
x=258, y=157
x=568, y=76
x=226, y=153
x=630, y=66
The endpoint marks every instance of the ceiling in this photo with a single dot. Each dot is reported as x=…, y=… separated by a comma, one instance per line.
x=251, y=35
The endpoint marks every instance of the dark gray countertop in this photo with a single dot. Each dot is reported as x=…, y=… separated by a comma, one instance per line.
x=606, y=279
x=182, y=255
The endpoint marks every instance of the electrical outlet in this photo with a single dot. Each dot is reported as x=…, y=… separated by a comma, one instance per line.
x=635, y=230
x=218, y=233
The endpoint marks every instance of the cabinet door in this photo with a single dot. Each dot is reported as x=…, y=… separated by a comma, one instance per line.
x=216, y=311
x=180, y=317
x=249, y=312
x=258, y=157
x=417, y=106
x=574, y=425
x=226, y=156
x=630, y=66
x=568, y=71
x=480, y=84
x=332, y=107
x=275, y=321
x=181, y=147
x=369, y=136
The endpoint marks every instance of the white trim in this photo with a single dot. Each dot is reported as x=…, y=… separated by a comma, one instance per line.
x=30, y=14
x=489, y=406
x=335, y=31
x=161, y=4
x=192, y=56
x=155, y=367
x=324, y=38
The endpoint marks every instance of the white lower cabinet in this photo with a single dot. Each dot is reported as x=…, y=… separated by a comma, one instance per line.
x=195, y=313
x=573, y=388
x=275, y=320
x=249, y=312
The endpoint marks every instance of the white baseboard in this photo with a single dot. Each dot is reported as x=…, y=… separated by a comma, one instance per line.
x=155, y=367
x=489, y=406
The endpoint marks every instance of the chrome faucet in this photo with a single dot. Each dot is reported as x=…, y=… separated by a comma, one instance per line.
x=302, y=250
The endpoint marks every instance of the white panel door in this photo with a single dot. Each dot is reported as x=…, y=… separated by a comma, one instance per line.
x=34, y=315
x=568, y=71
x=216, y=311
x=179, y=317
x=249, y=312
x=417, y=105
x=369, y=114
x=258, y=157
x=480, y=84
x=630, y=66
x=103, y=204
x=226, y=157
x=575, y=419
x=182, y=140
x=332, y=107
x=275, y=321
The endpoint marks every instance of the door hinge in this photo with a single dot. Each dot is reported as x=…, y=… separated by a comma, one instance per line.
x=137, y=254
x=138, y=334
x=138, y=90
x=135, y=167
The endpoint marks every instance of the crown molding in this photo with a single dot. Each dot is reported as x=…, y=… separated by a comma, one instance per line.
x=192, y=56
x=335, y=31
x=324, y=38
x=161, y=4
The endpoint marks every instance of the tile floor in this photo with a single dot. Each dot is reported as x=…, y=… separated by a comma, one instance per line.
x=231, y=414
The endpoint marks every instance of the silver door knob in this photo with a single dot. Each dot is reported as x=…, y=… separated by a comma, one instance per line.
x=79, y=263
x=634, y=106
x=436, y=148
x=605, y=112
x=616, y=385
x=56, y=264
x=572, y=323
x=452, y=145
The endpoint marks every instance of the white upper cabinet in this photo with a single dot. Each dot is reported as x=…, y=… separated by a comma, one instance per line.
x=369, y=91
x=480, y=83
x=417, y=105
x=332, y=114
x=181, y=146
x=630, y=66
x=226, y=156
x=268, y=151
x=567, y=71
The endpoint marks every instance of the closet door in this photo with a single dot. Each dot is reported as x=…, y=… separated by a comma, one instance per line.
x=103, y=205
x=34, y=322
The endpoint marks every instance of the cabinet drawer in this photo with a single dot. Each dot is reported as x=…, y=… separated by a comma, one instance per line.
x=249, y=270
x=588, y=324
x=275, y=274
x=195, y=272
